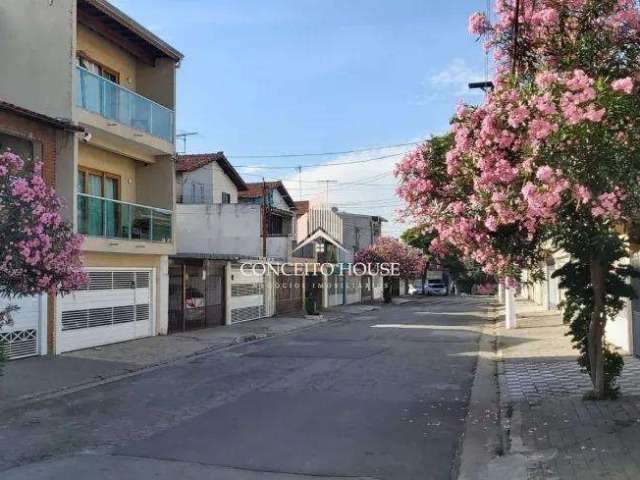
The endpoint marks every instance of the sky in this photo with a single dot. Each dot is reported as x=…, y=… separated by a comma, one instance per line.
x=272, y=77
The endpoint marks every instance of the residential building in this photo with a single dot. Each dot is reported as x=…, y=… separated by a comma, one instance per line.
x=213, y=231
x=330, y=236
x=280, y=212
x=358, y=232
x=37, y=138
x=220, y=225
x=116, y=79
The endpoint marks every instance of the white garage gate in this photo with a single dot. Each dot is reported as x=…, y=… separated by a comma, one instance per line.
x=117, y=305
x=27, y=335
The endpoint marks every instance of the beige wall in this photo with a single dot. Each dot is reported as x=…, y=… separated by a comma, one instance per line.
x=158, y=82
x=155, y=183
x=100, y=49
x=92, y=259
x=36, y=46
x=105, y=161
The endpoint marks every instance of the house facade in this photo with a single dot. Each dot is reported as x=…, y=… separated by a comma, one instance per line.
x=114, y=78
x=336, y=237
x=222, y=224
x=358, y=232
x=36, y=138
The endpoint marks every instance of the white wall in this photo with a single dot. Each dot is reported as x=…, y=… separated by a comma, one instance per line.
x=378, y=287
x=196, y=186
x=231, y=229
x=279, y=248
x=222, y=183
x=353, y=285
x=618, y=331
x=278, y=201
x=209, y=181
x=334, y=289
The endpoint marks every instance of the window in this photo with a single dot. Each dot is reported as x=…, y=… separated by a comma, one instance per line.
x=98, y=68
x=97, y=216
x=20, y=146
x=226, y=197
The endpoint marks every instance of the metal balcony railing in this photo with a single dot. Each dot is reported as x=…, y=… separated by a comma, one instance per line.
x=104, y=217
x=114, y=102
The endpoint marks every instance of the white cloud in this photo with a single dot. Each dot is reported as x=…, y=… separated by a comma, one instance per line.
x=455, y=76
x=367, y=188
x=452, y=80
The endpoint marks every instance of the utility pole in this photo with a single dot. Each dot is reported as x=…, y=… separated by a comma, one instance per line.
x=516, y=31
x=326, y=193
x=264, y=219
x=299, y=182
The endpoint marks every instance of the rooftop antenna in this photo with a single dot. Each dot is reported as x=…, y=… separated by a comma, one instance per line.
x=183, y=136
x=326, y=194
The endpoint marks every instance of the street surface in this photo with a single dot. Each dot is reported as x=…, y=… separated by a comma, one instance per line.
x=381, y=395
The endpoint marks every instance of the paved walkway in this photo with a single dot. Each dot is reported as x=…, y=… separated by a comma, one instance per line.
x=552, y=430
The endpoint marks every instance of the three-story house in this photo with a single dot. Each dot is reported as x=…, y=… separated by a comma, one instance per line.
x=88, y=62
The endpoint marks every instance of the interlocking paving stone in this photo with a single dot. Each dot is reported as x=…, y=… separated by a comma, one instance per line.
x=531, y=380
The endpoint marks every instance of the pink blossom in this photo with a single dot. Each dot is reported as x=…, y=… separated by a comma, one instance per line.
x=541, y=129
x=623, y=85
x=478, y=24
x=491, y=223
x=545, y=174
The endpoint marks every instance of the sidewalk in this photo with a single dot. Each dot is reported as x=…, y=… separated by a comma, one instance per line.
x=550, y=432
x=38, y=377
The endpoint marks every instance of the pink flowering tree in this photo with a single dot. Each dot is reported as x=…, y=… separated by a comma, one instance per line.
x=550, y=160
x=410, y=260
x=39, y=251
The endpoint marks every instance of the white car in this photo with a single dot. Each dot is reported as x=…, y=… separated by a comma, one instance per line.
x=436, y=287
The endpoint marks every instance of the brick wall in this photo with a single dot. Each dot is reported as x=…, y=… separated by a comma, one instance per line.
x=41, y=133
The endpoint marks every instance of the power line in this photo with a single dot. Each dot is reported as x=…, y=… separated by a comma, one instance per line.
x=335, y=164
x=320, y=154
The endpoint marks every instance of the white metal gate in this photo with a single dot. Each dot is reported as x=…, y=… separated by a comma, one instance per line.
x=247, y=300
x=26, y=337
x=115, y=306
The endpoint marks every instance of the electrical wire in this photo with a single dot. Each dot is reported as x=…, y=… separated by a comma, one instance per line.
x=334, y=164
x=319, y=154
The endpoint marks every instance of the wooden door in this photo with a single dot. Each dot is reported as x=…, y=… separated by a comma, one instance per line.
x=288, y=294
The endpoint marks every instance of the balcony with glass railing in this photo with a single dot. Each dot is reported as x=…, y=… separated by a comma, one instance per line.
x=107, y=218
x=114, y=102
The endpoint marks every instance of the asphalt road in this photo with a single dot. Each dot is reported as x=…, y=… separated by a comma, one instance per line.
x=381, y=395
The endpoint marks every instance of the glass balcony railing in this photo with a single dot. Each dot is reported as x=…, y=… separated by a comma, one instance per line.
x=103, y=217
x=114, y=102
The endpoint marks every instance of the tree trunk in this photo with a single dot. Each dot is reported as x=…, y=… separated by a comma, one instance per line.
x=596, y=327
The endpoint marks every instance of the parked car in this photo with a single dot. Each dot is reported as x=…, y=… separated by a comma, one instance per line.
x=436, y=287
x=416, y=288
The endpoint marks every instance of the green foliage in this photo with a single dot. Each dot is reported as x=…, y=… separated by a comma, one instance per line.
x=310, y=306
x=583, y=244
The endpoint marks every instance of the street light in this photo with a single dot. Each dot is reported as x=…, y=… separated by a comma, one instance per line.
x=484, y=86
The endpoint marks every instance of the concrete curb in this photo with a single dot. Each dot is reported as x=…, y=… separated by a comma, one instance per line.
x=512, y=464
x=480, y=442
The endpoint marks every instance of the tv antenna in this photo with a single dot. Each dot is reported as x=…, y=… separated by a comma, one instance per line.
x=183, y=136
